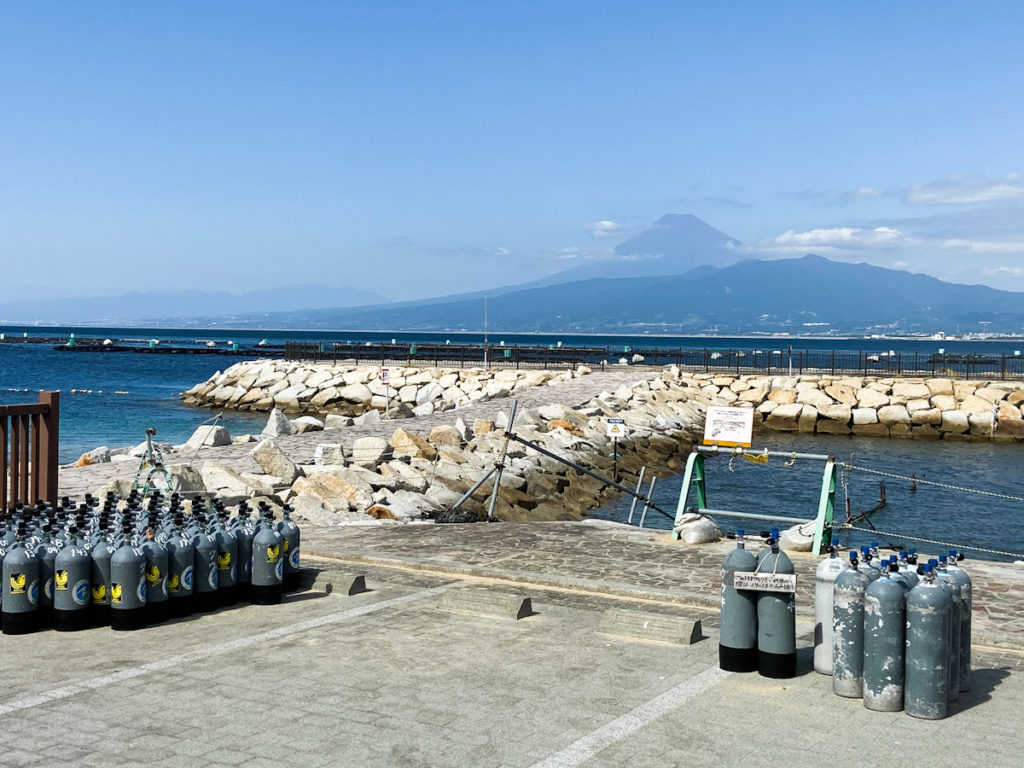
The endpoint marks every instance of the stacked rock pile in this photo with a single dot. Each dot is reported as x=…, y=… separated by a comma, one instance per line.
x=346, y=390
x=410, y=476
x=928, y=409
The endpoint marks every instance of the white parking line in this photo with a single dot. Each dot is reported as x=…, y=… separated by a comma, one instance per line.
x=101, y=681
x=622, y=727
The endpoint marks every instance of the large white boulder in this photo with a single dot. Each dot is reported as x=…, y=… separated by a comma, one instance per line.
x=278, y=424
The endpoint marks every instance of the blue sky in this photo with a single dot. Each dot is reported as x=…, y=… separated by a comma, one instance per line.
x=416, y=149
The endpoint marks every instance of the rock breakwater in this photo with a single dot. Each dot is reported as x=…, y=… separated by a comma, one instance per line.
x=406, y=474
x=352, y=391
x=918, y=408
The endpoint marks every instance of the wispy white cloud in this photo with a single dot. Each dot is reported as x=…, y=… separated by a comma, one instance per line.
x=963, y=190
x=1011, y=271
x=846, y=238
x=603, y=228
x=982, y=246
x=502, y=251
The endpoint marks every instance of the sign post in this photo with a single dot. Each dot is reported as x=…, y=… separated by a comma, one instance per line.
x=615, y=428
x=728, y=426
x=385, y=377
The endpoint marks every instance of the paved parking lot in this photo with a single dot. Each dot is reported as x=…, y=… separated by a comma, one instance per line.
x=387, y=678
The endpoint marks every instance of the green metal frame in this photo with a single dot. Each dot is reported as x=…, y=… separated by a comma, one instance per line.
x=693, y=477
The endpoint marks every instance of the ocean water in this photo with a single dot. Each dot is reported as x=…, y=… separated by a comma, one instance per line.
x=153, y=384
x=938, y=513
x=101, y=417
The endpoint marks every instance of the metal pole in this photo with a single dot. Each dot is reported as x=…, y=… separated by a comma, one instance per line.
x=485, y=343
x=632, y=506
x=647, y=504
x=473, y=490
x=753, y=516
x=714, y=450
x=501, y=460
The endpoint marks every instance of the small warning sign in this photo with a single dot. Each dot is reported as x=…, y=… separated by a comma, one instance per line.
x=765, y=582
x=728, y=426
x=385, y=376
x=616, y=428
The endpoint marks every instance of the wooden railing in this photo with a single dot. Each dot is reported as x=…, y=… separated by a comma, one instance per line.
x=29, y=438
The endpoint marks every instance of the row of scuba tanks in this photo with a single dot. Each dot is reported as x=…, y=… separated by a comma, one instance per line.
x=758, y=628
x=894, y=633
x=139, y=562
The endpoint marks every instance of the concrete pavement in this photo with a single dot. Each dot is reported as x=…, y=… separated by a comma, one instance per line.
x=387, y=678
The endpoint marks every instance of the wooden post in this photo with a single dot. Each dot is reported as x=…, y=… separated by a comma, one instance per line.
x=48, y=440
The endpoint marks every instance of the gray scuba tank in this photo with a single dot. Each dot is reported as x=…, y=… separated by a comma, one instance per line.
x=157, y=608
x=737, y=635
x=71, y=584
x=227, y=562
x=46, y=551
x=244, y=532
x=128, y=585
x=101, y=553
x=290, y=549
x=180, y=571
x=205, y=585
x=267, y=565
x=20, y=587
x=776, y=619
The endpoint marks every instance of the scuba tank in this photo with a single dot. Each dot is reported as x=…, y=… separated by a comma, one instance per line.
x=884, y=640
x=20, y=587
x=868, y=565
x=848, y=631
x=824, y=592
x=71, y=580
x=127, y=584
x=956, y=609
x=966, y=605
x=180, y=571
x=925, y=692
x=46, y=551
x=205, y=584
x=737, y=637
x=776, y=619
x=157, y=608
x=244, y=532
x=227, y=562
x=267, y=566
x=101, y=553
x=290, y=549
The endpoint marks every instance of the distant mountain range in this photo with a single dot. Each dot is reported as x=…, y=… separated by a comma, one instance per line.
x=679, y=276
x=175, y=307
x=809, y=294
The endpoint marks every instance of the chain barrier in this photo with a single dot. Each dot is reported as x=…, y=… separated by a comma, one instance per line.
x=936, y=483
x=946, y=544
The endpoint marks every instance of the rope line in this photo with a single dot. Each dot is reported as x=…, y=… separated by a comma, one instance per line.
x=935, y=483
x=946, y=544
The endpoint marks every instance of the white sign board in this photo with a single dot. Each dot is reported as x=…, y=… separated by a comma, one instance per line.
x=616, y=428
x=385, y=376
x=765, y=582
x=728, y=426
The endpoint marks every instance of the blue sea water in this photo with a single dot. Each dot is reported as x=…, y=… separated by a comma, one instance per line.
x=932, y=512
x=153, y=384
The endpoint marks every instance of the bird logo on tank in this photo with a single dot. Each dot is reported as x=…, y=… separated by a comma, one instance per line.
x=115, y=594
x=153, y=575
x=18, y=582
x=273, y=552
x=60, y=579
x=99, y=594
x=223, y=561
